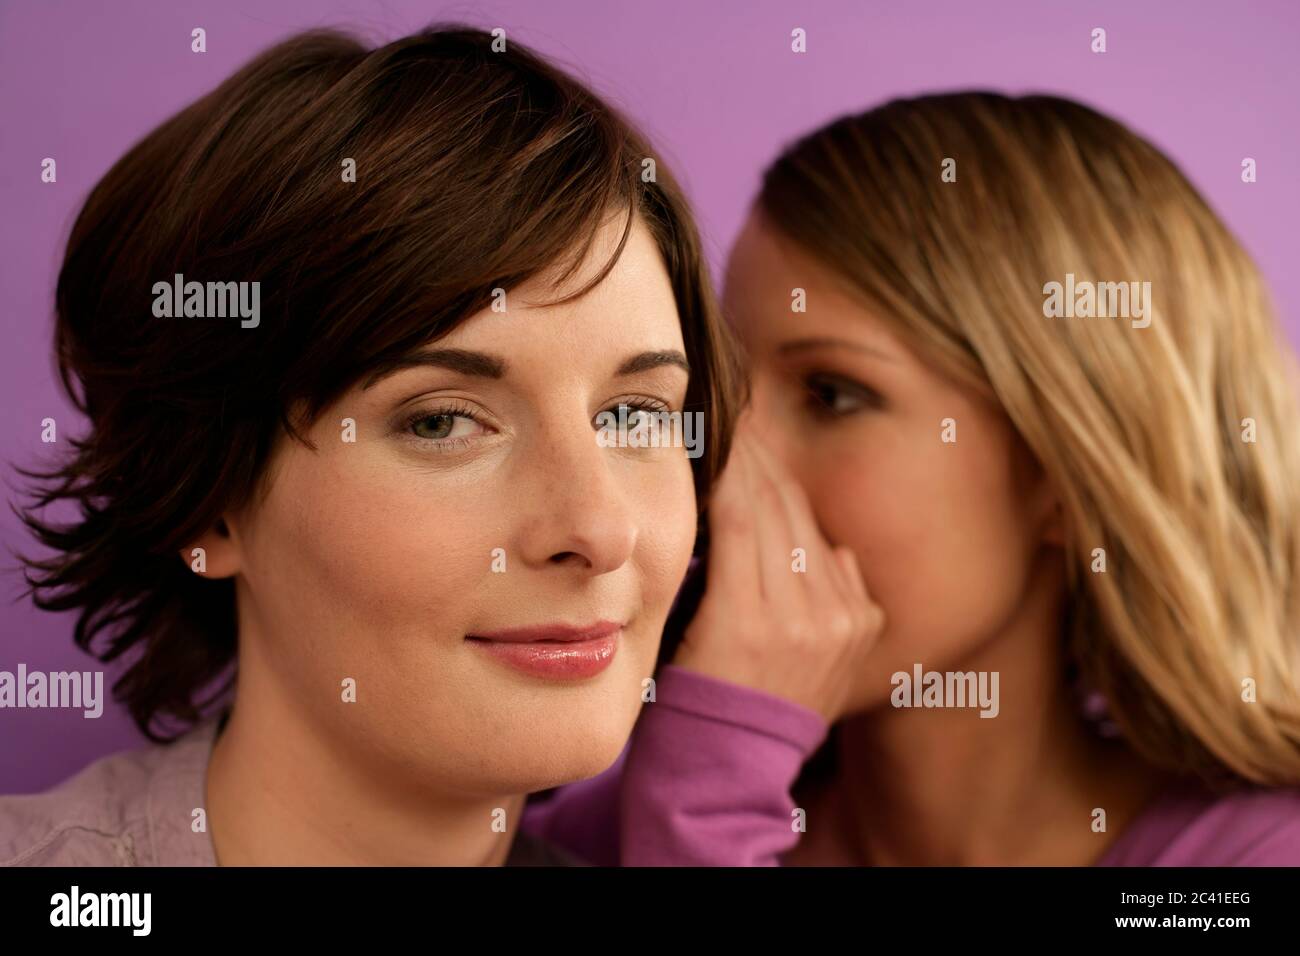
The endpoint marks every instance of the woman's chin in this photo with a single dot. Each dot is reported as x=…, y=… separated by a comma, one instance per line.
x=564, y=761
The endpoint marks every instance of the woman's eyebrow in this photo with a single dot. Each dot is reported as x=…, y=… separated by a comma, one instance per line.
x=644, y=361
x=468, y=362
x=801, y=345
x=464, y=361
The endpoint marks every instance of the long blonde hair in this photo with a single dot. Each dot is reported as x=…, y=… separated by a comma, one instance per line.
x=950, y=215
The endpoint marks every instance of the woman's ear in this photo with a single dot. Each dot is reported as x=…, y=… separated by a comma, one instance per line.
x=1044, y=514
x=215, y=554
x=1054, y=524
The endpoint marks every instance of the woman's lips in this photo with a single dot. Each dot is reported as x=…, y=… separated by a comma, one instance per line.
x=554, y=651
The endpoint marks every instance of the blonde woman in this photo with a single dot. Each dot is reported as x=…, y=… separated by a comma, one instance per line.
x=1073, y=502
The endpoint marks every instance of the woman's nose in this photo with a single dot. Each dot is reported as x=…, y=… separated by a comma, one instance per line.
x=578, y=511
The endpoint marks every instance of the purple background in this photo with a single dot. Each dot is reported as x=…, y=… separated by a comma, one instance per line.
x=716, y=87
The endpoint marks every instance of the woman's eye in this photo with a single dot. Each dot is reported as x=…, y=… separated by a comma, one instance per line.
x=443, y=425
x=626, y=416
x=837, y=396
x=635, y=416
x=627, y=425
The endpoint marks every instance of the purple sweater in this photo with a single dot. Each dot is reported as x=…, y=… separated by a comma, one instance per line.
x=706, y=778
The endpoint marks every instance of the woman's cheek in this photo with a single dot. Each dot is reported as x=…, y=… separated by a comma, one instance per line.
x=861, y=503
x=386, y=544
x=889, y=512
x=664, y=500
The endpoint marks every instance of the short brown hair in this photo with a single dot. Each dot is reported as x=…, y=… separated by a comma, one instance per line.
x=475, y=169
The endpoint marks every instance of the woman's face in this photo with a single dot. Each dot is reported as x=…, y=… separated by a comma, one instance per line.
x=474, y=501
x=946, y=534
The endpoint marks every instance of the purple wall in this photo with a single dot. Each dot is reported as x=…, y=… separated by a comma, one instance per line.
x=714, y=84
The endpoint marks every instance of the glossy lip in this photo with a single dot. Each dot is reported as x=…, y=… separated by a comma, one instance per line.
x=553, y=651
x=550, y=632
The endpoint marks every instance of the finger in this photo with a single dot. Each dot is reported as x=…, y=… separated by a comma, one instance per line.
x=823, y=571
x=854, y=585
x=733, y=547
x=873, y=614
x=773, y=535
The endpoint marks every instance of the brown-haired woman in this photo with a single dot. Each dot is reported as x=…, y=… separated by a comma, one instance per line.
x=379, y=517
